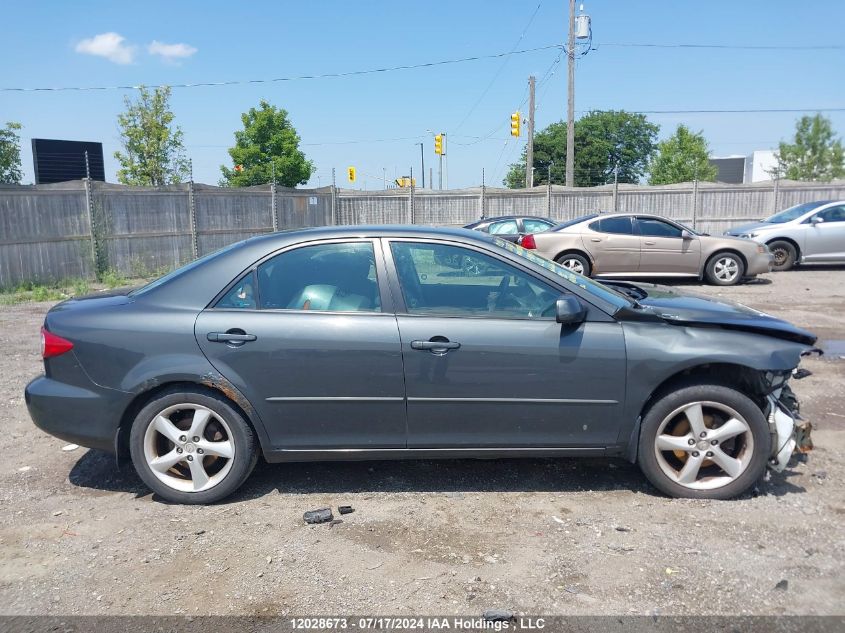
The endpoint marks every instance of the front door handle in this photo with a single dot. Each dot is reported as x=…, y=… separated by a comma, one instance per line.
x=595, y=239
x=649, y=243
x=230, y=337
x=436, y=347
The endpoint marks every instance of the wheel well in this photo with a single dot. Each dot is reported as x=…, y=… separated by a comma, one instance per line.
x=142, y=399
x=575, y=251
x=746, y=380
x=791, y=241
x=725, y=251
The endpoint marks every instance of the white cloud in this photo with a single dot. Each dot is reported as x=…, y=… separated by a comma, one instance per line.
x=110, y=45
x=171, y=52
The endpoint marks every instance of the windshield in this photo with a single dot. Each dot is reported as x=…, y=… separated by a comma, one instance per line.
x=793, y=213
x=600, y=290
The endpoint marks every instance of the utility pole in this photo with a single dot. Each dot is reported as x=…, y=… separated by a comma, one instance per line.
x=384, y=178
x=422, y=163
x=570, y=101
x=446, y=167
x=529, y=152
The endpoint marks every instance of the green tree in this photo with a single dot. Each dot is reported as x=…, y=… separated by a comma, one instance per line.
x=683, y=157
x=10, y=154
x=605, y=141
x=815, y=153
x=268, y=140
x=153, y=152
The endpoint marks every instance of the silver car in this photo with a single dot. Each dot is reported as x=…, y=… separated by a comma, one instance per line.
x=808, y=232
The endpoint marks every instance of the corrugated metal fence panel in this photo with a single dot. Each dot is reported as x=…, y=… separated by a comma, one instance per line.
x=441, y=209
x=301, y=210
x=531, y=202
x=795, y=193
x=143, y=229
x=44, y=234
x=567, y=204
x=388, y=207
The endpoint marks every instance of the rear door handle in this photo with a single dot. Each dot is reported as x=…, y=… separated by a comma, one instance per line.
x=649, y=243
x=435, y=346
x=595, y=239
x=226, y=337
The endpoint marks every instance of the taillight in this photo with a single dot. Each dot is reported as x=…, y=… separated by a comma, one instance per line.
x=527, y=241
x=52, y=345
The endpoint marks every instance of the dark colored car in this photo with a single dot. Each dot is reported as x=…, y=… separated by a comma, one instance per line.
x=355, y=343
x=511, y=227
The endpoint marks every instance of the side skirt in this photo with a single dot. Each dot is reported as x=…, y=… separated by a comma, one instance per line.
x=362, y=454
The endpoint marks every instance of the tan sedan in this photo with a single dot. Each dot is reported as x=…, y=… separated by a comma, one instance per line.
x=642, y=245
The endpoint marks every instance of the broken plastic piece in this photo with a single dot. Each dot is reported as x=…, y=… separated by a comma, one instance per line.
x=345, y=509
x=323, y=515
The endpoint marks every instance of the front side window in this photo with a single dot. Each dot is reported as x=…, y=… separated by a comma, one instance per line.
x=440, y=279
x=833, y=214
x=506, y=227
x=792, y=213
x=649, y=227
x=324, y=277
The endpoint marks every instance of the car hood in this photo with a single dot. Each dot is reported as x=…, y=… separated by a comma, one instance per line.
x=687, y=308
x=748, y=228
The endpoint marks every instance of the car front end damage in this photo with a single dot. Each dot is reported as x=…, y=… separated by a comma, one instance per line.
x=791, y=432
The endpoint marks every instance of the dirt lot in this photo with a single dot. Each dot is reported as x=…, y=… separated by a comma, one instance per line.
x=534, y=536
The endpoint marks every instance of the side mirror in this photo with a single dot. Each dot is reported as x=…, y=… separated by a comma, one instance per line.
x=569, y=310
x=816, y=219
x=686, y=234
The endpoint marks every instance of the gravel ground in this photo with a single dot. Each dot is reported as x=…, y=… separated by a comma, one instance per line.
x=78, y=536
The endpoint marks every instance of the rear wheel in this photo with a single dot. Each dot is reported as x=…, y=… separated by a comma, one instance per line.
x=575, y=262
x=192, y=447
x=785, y=254
x=704, y=442
x=724, y=269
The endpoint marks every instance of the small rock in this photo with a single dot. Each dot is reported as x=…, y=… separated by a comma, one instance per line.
x=58, y=513
x=622, y=528
x=783, y=585
x=323, y=515
x=24, y=469
x=345, y=509
x=497, y=615
x=70, y=447
x=820, y=474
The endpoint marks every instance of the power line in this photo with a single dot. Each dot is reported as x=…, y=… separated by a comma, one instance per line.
x=751, y=47
x=236, y=82
x=737, y=111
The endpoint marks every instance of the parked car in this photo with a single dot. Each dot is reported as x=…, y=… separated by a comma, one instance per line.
x=511, y=227
x=809, y=232
x=344, y=343
x=631, y=245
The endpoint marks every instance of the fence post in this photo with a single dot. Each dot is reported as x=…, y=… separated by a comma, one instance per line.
x=549, y=197
x=694, y=202
x=775, y=192
x=482, y=200
x=334, y=198
x=89, y=209
x=274, y=210
x=192, y=211
x=615, y=189
x=411, y=198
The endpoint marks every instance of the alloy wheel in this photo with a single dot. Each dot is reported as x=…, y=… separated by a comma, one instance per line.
x=726, y=269
x=575, y=265
x=704, y=445
x=189, y=447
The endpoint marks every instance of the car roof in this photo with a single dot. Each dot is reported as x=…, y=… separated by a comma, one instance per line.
x=498, y=218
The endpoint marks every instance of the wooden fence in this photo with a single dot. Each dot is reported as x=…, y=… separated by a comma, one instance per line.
x=82, y=228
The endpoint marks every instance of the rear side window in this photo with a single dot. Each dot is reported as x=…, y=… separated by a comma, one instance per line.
x=620, y=226
x=506, y=227
x=535, y=226
x=651, y=227
x=323, y=277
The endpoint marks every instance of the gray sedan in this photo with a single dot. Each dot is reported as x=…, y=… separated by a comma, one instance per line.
x=357, y=343
x=809, y=232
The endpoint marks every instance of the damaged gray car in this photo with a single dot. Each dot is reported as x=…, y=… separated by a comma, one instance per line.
x=346, y=343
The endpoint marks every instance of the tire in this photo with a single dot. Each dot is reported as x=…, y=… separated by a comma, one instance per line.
x=785, y=254
x=724, y=269
x=161, y=433
x=728, y=417
x=575, y=262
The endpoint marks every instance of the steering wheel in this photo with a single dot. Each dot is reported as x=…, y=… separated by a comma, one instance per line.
x=505, y=293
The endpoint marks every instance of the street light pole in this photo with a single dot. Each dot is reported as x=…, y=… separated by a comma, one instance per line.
x=422, y=163
x=570, y=101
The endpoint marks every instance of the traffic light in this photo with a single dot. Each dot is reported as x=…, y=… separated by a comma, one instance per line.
x=350, y=174
x=438, y=144
x=515, y=123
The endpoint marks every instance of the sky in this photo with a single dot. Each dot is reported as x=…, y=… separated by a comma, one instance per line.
x=375, y=121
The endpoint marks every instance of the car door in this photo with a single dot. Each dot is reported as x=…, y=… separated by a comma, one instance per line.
x=613, y=245
x=824, y=241
x=664, y=249
x=487, y=365
x=309, y=337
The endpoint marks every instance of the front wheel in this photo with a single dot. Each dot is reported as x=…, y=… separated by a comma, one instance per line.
x=191, y=446
x=704, y=442
x=784, y=255
x=725, y=269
